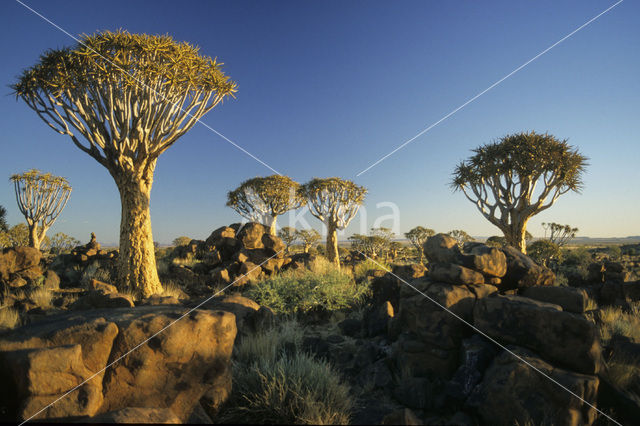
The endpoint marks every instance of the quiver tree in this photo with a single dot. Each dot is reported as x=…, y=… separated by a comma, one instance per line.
x=417, y=237
x=124, y=99
x=335, y=202
x=288, y=235
x=263, y=199
x=308, y=237
x=41, y=198
x=3, y=220
x=559, y=234
x=517, y=177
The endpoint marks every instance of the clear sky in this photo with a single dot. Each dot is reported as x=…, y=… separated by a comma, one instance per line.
x=328, y=87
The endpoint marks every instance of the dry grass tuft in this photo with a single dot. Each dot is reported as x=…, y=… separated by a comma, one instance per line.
x=9, y=318
x=41, y=297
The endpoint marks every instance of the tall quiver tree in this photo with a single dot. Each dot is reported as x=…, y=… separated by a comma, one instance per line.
x=335, y=202
x=130, y=96
x=501, y=179
x=263, y=199
x=41, y=198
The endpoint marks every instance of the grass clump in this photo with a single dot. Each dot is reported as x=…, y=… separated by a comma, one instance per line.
x=275, y=382
x=623, y=370
x=615, y=322
x=9, y=318
x=362, y=269
x=41, y=297
x=301, y=291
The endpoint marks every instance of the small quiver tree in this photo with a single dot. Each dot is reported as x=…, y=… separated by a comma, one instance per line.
x=517, y=177
x=308, y=237
x=335, y=202
x=130, y=96
x=417, y=237
x=41, y=198
x=263, y=199
x=288, y=235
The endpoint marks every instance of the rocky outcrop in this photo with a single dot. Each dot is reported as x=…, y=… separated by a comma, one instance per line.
x=184, y=359
x=19, y=266
x=512, y=392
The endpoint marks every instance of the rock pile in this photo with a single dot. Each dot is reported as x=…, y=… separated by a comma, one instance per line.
x=19, y=266
x=237, y=254
x=184, y=366
x=504, y=294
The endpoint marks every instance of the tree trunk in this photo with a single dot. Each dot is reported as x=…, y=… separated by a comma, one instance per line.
x=137, y=269
x=34, y=240
x=272, y=225
x=515, y=235
x=332, y=245
x=421, y=254
x=306, y=248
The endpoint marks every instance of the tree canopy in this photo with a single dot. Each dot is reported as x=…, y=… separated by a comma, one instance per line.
x=308, y=237
x=417, y=237
x=559, y=234
x=502, y=179
x=41, y=198
x=263, y=199
x=335, y=202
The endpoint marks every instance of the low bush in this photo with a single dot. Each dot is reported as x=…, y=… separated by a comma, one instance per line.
x=361, y=269
x=300, y=291
x=275, y=382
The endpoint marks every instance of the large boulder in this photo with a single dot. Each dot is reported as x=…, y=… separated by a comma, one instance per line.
x=176, y=361
x=490, y=261
x=19, y=260
x=567, y=339
x=571, y=299
x=251, y=235
x=441, y=248
x=455, y=274
x=522, y=271
x=512, y=392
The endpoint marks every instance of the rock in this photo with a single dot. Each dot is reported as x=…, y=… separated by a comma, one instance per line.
x=199, y=416
x=522, y=271
x=378, y=319
x=272, y=265
x=244, y=309
x=413, y=392
x=273, y=244
x=219, y=234
x=455, y=274
x=350, y=327
x=403, y=416
x=410, y=272
x=104, y=287
x=251, y=235
x=136, y=415
x=41, y=376
x=19, y=260
x=376, y=375
x=248, y=272
x=386, y=287
x=157, y=299
x=441, y=248
x=51, y=281
x=221, y=275
x=487, y=260
x=567, y=339
x=512, y=392
x=176, y=367
x=96, y=299
x=477, y=353
x=18, y=282
x=571, y=299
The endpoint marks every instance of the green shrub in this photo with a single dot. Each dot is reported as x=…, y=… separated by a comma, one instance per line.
x=361, y=269
x=275, y=382
x=300, y=291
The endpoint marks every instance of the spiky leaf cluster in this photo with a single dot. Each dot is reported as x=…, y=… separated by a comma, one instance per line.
x=41, y=196
x=130, y=95
x=333, y=200
x=262, y=197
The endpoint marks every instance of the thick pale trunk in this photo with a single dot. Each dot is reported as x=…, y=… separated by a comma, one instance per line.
x=515, y=235
x=306, y=248
x=332, y=245
x=34, y=239
x=137, y=269
x=272, y=225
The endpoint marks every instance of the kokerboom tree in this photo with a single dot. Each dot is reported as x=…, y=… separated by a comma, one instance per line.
x=308, y=237
x=124, y=99
x=517, y=177
x=418, y=236
x=41, y=198
x=263, y=199
x=335, y=202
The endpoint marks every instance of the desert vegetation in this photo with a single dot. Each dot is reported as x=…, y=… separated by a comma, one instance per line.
x=255, y=324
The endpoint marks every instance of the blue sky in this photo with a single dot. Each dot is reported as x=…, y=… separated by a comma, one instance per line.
x=327, y=88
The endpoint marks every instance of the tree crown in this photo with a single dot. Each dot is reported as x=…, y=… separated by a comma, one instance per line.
x=265, y=196
x=333, y=199
x=38, y=181
x=524, y=156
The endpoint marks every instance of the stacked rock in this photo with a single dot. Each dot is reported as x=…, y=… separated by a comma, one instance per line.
x=91, y=251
